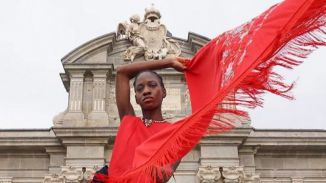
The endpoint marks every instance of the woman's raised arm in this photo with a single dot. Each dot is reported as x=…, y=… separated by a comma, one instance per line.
x=128, y=71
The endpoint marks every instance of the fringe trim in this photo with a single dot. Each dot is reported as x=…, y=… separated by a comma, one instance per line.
x=295, y=45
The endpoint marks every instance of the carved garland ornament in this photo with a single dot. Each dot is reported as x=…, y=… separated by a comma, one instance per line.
x=209, y=174
x=72, y=175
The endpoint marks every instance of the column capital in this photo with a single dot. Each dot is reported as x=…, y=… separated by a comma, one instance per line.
x=76, y=73
x=100, y=73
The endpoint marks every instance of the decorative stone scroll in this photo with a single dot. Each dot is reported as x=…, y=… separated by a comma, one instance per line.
x=5, y=180
x=54, y=178
x=233, y=174
x=209, y=174
x=72, y=175
x=148, y=38
x=297, y=180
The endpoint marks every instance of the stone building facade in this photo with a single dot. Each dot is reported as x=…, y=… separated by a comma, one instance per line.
x=82, y=136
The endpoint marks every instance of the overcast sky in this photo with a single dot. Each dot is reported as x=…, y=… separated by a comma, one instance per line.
x=36, y=34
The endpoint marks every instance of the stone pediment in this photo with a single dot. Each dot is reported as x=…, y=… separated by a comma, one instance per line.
x=107, y=52
x=107, y=49
x=93, y=51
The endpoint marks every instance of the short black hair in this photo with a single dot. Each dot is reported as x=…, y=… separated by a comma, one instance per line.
x=154, y=73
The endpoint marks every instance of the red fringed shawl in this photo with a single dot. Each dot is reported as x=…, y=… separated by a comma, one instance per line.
x=239, y=61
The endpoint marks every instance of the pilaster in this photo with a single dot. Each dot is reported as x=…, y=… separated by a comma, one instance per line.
x=98, y=116
x=74, y=115
x=76, y=91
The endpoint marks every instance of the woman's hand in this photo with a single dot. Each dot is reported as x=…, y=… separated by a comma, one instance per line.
x=179, y=63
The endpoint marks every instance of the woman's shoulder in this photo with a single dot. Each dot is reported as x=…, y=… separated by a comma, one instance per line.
x=129, y=117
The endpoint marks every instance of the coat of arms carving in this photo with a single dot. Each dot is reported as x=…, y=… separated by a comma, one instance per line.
x=148, y=38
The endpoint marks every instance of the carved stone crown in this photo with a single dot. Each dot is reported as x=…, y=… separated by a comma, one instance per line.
x=152, y=12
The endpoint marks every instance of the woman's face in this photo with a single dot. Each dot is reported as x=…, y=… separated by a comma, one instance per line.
x=148, y=91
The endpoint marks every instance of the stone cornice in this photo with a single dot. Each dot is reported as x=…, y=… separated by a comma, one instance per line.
x=85, y=66
x=24, y=138
x=85, y=136
x=234, y=137
x=246, y=137
x=287, y=139
x=85, y=131
x=197, y=41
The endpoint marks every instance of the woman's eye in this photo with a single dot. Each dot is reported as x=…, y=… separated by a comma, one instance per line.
x=139, y=88
x=152, y=84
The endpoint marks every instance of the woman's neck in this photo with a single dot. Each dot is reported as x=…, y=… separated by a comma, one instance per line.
x=154, y=115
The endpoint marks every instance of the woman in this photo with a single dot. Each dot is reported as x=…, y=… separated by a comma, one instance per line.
x=240, y=61
x=149, y=94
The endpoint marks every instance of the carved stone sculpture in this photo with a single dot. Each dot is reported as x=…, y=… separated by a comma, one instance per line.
x=233, y=175
x=209, y=174
x=251, y=178
x=148, y=38
x=72, y=175
x=132, y=32
x=297, y=180
x=5, y=180
x=54, y=178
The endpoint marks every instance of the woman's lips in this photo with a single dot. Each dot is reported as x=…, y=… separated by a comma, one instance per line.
x=147, y=99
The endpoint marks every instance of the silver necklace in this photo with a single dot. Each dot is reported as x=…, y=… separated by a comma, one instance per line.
x=148, y=122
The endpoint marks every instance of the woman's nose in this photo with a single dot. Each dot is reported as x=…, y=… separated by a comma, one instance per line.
x=146, y=91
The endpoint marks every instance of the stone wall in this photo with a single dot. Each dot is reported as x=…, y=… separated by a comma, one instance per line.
x=242, y=155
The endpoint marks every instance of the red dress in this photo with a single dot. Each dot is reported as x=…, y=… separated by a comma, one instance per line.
x=240, y=61
x=132, y=133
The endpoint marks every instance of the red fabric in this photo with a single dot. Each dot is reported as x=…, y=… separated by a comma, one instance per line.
x=132, y=133
x=240, y=61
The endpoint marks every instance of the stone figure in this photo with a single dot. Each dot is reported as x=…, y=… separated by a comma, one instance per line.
x=148, y=38
x=131, y=31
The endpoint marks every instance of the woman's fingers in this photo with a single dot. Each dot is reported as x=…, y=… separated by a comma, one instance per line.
x=184, y=61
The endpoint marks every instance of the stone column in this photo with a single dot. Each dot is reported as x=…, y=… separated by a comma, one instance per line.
x=99, y=116
x=75, y=116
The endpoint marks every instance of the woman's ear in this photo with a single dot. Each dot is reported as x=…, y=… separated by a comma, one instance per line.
x=164, y=92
